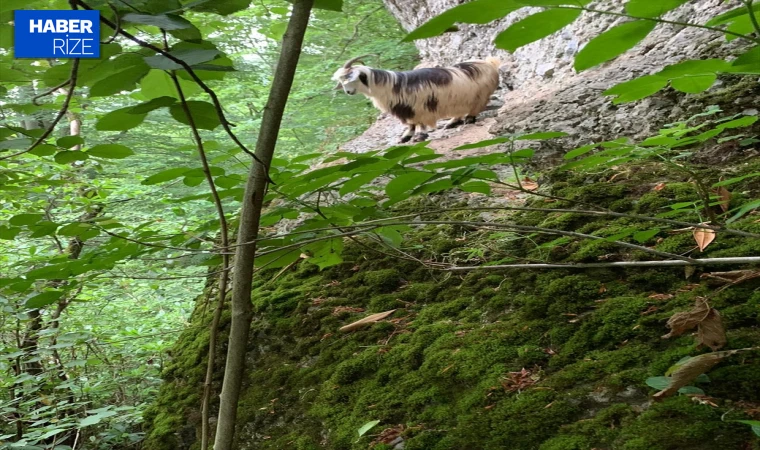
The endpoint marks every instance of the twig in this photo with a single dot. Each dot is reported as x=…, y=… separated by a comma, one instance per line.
x=695, y=262
x=61, y=112
x=658, y=20
x=224, y=276
x=118, y=24
x=49, y=91
x=552, y=231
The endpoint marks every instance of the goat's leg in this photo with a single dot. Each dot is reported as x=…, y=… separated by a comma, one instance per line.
x=407, y=136
x=454, y=122
x=422, y=134
x=470, y=119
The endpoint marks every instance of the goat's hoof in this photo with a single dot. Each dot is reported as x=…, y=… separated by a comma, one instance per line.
x=420, y=137
x=405, y=139
x=470, y=119
x=451, y=125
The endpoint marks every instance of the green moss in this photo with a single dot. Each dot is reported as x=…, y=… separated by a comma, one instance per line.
x=441, y=368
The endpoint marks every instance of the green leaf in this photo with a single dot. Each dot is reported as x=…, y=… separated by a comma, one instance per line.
x=124, y=79
x=541, y=136
x=735, y=180
x=43, y=299
x=146, y=107
x=695, y=67
x=44, y=150
x=111, y=151
x=481, y=144
x=20, y=220
x=742, y=25
x=651, y=8
x=535, y=27
x=8, y=233
x=119, y=120
x=658, y=383
x=580, y=151
x=189, y=56
x=367, y=426
x=326, y=253
x=158, y=84
x=744, y=209
x=637, y=88
x=742, y=122
x=204, y=114
x=221, y=7
x=693, y=84
x=612, y=43
x=643, y=236
x=165, y=21
x=755, y=424
x=68, y=157
x=330, y=5
x=731, y=15
x=478, y=11
x=476, y=186
x=43, y=228
x=165, y=175
x=69, y=141
x=751, y=58
x=406, y=182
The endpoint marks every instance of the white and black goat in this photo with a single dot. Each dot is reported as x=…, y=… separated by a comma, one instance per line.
x=419, y=98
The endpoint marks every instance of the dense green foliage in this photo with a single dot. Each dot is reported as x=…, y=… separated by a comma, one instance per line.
x=109, y=222
x=78, y=214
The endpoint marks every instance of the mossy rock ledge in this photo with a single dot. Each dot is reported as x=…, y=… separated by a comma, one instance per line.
x=447, y=371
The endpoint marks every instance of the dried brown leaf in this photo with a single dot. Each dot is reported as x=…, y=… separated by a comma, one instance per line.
x=703, y=237
x=684, y=321
x=690, y=370
x=369, y=320
x=725, y=198
x=528, y=184
x=661, y=296
x=659, y=187
x=711, y=332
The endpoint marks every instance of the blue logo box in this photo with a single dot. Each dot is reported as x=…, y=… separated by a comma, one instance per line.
x=57, y=34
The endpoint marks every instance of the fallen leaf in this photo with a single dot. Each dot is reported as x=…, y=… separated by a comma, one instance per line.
x=690, y=370
x=659, y=187
x=688, y=271
x=711, y=332
x=602, y=289
x=684, y=321
x=725, y=198
x=661, y=296
x=528, y=184
x=367, y=321
x=704, y=237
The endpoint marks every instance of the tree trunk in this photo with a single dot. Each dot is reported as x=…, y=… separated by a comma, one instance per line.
x=250, y=216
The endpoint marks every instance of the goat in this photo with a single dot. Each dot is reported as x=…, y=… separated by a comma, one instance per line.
x=420, y=97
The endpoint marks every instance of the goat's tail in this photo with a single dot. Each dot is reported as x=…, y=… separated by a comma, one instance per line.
x=495, y=62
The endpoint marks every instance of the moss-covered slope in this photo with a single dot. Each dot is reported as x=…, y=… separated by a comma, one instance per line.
x=446, y=371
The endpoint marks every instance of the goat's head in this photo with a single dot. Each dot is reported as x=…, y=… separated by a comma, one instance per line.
x=349, y=77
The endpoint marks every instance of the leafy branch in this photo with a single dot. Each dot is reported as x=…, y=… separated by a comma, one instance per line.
x=210, y=92
x=72, y=82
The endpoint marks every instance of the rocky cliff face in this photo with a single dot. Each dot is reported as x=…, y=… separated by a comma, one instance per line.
x=544, y=92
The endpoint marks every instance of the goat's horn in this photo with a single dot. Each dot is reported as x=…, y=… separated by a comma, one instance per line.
x=348, y=63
